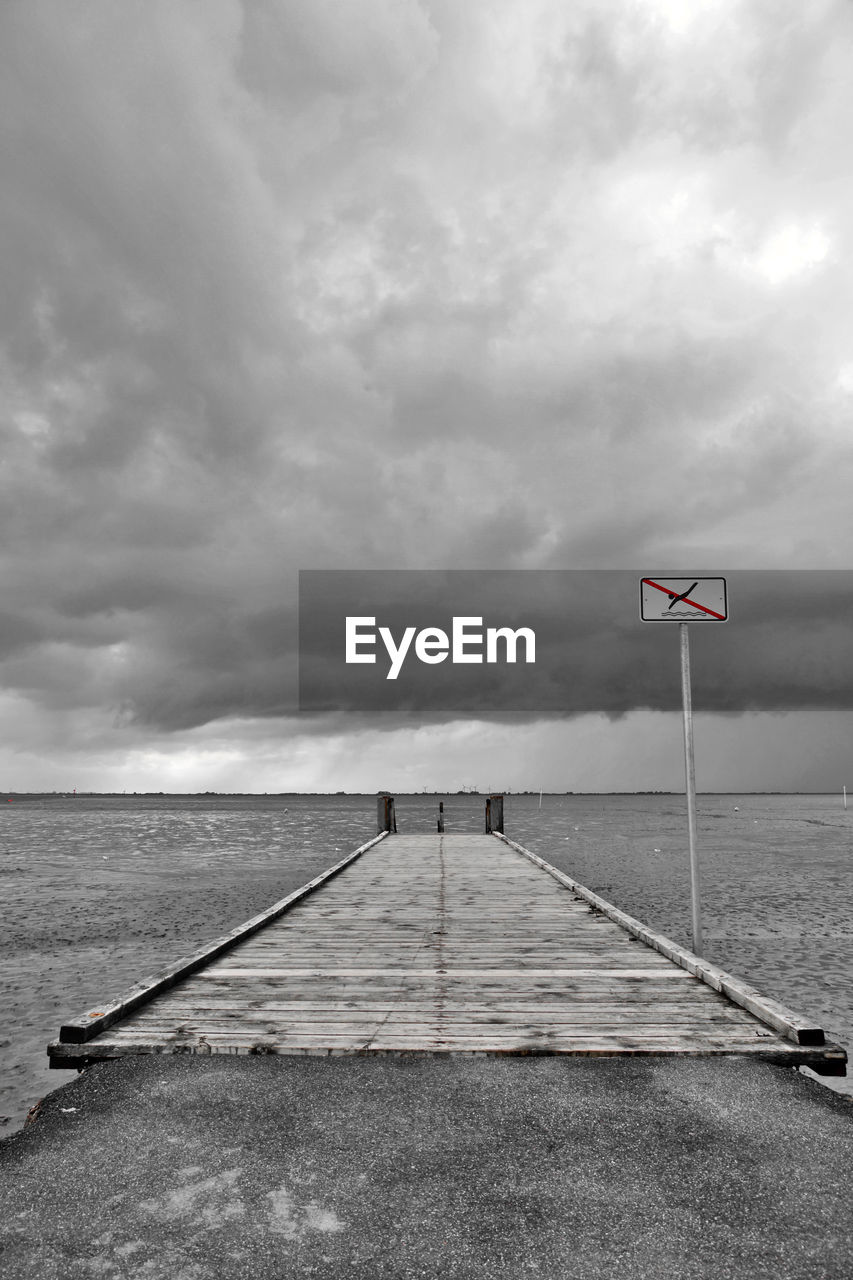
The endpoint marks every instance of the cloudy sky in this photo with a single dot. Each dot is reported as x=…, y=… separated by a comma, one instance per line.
x=315, y=284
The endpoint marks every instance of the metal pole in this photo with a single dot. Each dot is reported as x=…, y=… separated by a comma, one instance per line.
x=690, y=781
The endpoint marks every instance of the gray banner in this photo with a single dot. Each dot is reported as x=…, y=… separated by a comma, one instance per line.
x=444, y=641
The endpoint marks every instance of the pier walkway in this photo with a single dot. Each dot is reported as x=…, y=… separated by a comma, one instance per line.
x=444, y=943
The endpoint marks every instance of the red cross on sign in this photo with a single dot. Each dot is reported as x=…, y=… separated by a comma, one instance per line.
x=683, y=600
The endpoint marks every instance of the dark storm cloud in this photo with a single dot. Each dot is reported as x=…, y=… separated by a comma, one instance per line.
x=426, y=284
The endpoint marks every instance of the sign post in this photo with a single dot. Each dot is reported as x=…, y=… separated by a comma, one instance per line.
x=690, y=785
x=682, y=601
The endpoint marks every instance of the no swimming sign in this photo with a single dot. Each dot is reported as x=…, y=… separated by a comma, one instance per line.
x=683, y=600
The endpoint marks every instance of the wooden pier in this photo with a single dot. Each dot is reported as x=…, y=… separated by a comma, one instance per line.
x=444, y=943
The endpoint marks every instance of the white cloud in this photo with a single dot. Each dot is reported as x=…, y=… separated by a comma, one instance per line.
x=790, y=251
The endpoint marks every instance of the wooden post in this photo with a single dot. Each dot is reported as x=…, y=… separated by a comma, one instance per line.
x=494, y=814
x=386, y=817
x=441, y=816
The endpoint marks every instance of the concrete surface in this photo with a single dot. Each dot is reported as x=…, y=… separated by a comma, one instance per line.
x=374, y=1167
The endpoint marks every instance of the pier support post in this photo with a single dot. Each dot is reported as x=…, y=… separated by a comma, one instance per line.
x=441, y=817
x=494, y=814
x=386, y=817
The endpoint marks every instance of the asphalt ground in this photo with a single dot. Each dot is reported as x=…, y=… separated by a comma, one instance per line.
x=372, y=1167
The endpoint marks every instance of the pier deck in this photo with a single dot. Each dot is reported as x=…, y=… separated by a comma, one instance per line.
x=439, y=943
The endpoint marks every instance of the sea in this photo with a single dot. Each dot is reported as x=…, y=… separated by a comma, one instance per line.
x=100, y=891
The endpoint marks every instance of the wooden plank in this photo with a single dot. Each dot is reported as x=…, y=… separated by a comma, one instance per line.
x=433, y=1030
x=782, y=1048
x=724, y=1035
x=579, y=1011
x=415, y=1035
x=579, y=945
x=782, y=1051
x=437, y=952
x=577, y=1014
x=448, y=963
x=428, y=937
x=92, y=1023
x=235, y=971
x=525, y=977
x=800, y=1030
x=575, y=940
x=615, y=1006
x=625, y=990
x=462, y=1000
